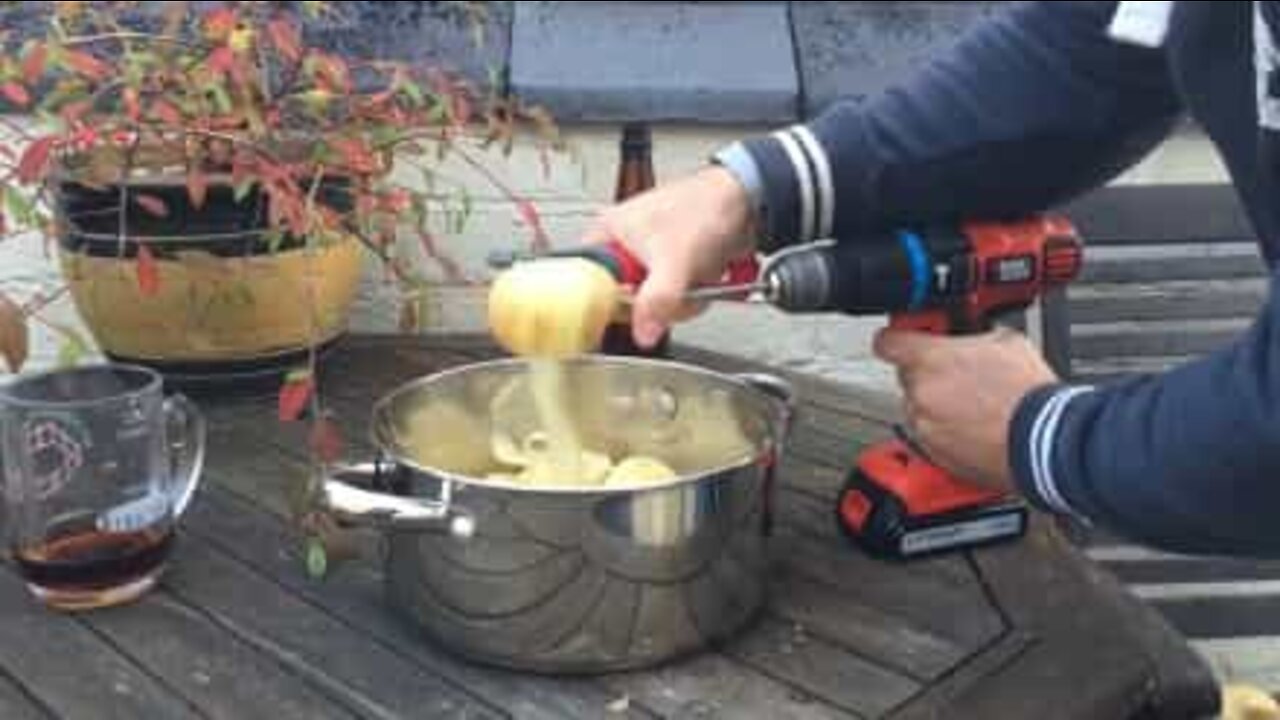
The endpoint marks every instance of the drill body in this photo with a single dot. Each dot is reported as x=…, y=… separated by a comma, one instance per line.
x=950, y=280
x=896, y=503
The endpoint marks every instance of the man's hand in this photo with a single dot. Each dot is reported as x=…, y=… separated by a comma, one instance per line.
x=961, y=393
x=685, y=232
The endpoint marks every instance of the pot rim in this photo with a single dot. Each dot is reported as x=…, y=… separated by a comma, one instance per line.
x=767, y=454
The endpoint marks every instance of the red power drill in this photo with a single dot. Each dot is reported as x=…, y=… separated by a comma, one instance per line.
x=953, y=281
x=896, y=503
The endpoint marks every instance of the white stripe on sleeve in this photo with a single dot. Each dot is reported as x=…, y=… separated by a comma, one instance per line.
x=804, y=178
x=826, y=182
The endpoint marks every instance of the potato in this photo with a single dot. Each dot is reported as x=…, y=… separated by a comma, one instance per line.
x=1243, y=702
x=552, y=307
x=639, y=469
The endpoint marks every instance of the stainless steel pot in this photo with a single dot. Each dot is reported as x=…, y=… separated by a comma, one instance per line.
x=573, y=580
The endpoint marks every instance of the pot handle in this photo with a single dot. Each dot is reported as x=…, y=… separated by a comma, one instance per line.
x=346, y=496
x=776, y=388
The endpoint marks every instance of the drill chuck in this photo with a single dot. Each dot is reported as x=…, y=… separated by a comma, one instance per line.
x=872, y=276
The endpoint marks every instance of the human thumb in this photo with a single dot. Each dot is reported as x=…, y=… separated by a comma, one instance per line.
x=903, y=348
x=659, y=301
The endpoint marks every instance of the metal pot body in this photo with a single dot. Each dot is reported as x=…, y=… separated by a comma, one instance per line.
x=579, y=580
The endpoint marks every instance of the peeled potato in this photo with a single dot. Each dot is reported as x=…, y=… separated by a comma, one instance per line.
x=591, y=469
x=1243, y=702
x=552, y=307
x=639, y=469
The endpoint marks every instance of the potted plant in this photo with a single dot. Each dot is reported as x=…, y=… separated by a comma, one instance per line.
x=210, y=184
x=213, y=183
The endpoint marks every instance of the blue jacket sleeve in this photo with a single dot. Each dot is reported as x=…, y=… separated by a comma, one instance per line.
x=1030, y=108
x=1188, y=460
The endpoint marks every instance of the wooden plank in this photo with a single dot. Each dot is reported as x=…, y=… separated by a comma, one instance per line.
x=787, y=652
x=813, y=517
x=840, y=620
x=1221, y=616
x=1055, y=331
x=1148, y=339
x=938, y=699
x=862, y=402
x=1193, y=570
x=1086, y=626
x=1167, y=301
x=222, y=676
x=1111, y=369
x=712, y=687
x=70, y=669
x=915, y=595
x=353, y=594
x=1198, y=266
x=353, y=669
x=1143, y=214
x=16, y=703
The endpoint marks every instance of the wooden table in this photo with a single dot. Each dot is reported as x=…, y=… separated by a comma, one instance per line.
x=238, y=630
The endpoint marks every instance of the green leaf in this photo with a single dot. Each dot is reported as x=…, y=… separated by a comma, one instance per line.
x=73, y=348
x=242, y=190
x=244, y=295
x=298, y=375
x=18, y=207
x=467, y=208
x=414, y=92
x=221, y=99
x=274, y=239
x=313, y=8
x=317, y=558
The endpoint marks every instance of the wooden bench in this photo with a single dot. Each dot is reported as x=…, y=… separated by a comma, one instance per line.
x=1171, y=273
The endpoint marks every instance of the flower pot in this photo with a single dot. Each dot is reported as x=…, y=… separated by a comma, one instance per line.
x=223, y=299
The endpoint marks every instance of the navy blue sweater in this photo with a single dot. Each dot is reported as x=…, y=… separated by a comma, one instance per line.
x=1031, y=108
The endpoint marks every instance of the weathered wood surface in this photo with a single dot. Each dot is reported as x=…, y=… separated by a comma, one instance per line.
x=238, y=630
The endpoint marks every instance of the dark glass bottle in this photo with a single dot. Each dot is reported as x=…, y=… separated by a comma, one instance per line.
x=635, y=175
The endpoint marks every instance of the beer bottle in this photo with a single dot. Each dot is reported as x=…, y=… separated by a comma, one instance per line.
x=635, y=175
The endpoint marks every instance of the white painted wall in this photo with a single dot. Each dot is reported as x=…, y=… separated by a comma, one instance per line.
x=579, y=184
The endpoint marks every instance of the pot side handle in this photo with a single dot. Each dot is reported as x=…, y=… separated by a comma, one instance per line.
x=776, y=388
x=345, y=497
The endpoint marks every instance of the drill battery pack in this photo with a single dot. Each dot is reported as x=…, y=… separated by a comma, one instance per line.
x=897, y=505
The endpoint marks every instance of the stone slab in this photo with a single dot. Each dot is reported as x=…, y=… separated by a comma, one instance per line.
x=658, y=61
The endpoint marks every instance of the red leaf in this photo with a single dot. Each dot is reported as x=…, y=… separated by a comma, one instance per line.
x=461, y=108
x=448, y=265
x=15, y=93
x=132, y=106
x=294, y=397
x=336, y=71
x=73, y=112
x=148, y=272
x=34, y=62
x=87, y=65
x=35, y=159
x=222, y=60
x=218, y=24
x=197, y=188
x=529, y=213
x=14, y=334
x=165, y=112
x=356, y=154
x=326, y=440
x=153, y=205
x=284, y=35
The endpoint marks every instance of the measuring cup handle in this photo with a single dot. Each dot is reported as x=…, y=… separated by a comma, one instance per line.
x=185, y=430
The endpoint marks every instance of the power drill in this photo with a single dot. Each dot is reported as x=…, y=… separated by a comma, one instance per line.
x=952, y=281
x=896, y=503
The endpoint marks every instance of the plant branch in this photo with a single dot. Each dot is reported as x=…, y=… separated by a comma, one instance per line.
x=125, y=36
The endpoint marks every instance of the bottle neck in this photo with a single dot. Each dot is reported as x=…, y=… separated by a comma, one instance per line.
x=635, y=172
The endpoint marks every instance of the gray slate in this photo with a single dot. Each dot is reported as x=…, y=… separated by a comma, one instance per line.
x=711, y=62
